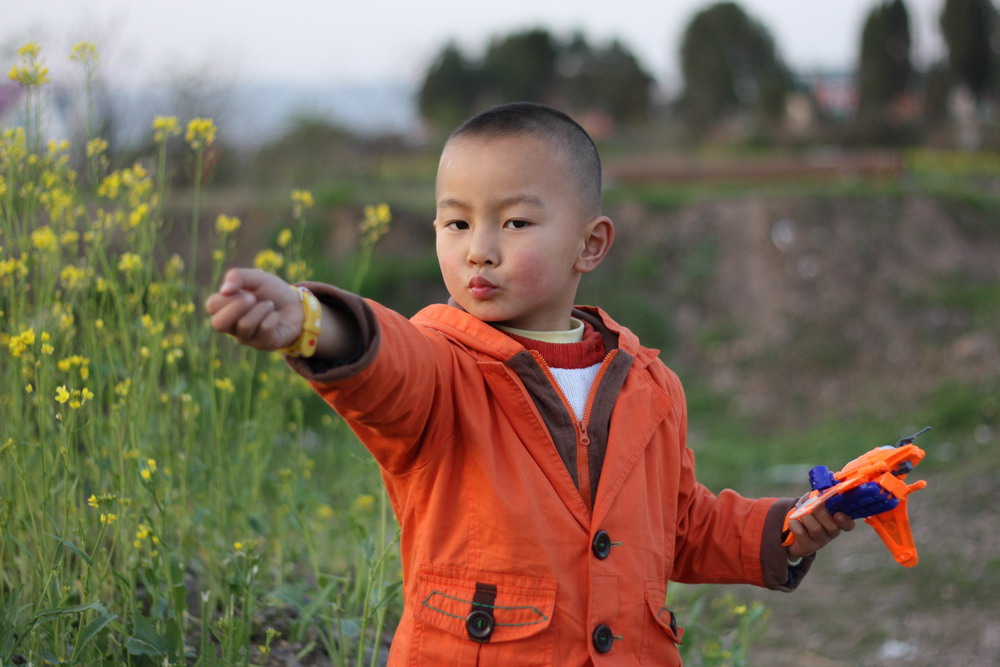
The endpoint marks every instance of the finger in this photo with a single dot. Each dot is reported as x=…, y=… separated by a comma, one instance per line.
x=225, y=318
x=803, y=544
x=826, y=522
x=273, y=335
x=247, y=326
x=244, y=279
x=216, y=302
x=817, y=534
x=844, y=522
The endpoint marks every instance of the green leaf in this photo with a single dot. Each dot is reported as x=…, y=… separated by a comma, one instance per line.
x=136, y=646
x=146, y=641
x=75, y=549
x=63, y=611
x=91, y=631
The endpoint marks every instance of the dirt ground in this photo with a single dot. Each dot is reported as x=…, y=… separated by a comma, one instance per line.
x=857, y=607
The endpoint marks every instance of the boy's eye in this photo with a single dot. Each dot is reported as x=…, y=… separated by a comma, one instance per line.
x=457, y=224
x=517, y=224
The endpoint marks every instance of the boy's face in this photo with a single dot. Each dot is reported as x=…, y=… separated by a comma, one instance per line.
x=512, y=234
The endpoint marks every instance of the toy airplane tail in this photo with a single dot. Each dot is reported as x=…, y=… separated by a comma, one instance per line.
x=893, y=527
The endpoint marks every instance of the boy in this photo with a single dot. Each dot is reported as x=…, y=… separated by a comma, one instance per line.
x=534, y=452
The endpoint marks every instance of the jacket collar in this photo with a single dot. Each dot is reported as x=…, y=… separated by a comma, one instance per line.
x=451, y=320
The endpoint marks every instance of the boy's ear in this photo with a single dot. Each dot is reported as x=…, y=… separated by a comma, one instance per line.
x=597, y=240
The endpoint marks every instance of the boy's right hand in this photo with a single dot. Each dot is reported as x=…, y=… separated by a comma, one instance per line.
x=257, y=308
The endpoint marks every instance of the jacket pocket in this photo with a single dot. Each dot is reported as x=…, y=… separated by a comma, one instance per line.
x=473, y=617
x=660, y=633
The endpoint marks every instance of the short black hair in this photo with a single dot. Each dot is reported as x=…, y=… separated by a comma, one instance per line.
x=549, y=124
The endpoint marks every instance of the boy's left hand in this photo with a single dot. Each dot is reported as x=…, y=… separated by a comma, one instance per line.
x=814, y=531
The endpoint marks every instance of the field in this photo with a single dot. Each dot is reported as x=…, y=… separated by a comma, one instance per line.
x=167, y=497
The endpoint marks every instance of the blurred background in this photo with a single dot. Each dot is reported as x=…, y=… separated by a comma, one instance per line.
x=808, y=204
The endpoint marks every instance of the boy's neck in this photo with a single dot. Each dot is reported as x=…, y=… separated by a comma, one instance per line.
x=580, y=347
x=572, y=335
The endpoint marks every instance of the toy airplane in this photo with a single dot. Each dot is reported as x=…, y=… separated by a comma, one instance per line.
x=870, y=487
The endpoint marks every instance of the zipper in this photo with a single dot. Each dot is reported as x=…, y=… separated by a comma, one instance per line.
x=582, y=433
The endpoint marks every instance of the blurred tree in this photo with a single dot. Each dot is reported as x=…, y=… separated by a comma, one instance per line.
x=884, y=68
x=606, y=79
x=533, y=65
x=731, y=66
x=521, y=66
x=971, y=31
x=450, y=88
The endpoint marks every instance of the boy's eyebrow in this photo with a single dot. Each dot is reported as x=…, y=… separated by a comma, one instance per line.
x=531, y=200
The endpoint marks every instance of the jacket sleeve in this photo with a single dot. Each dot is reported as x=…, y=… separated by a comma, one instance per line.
x=727, y=538
x=388, y=390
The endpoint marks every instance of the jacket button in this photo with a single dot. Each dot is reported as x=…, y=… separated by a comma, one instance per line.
x=603, y=638
x=480, y=624
x=601, y=545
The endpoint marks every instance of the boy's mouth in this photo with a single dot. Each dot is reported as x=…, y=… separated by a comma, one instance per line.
x=481, y=288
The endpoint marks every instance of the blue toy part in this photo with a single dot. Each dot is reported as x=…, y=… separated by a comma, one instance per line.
x=821, y=478
x=863, y=501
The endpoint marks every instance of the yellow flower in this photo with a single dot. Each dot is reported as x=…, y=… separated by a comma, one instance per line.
x=92, y=501
x=47, y=349
x=226, y=385
x=269, y=260
x=84, y=52
x=108, y=518
x=110, y=186
x=174, y=267
x=123, y=387
x=225, y=224
x=376, y=222
x=62, y=394
x=21, y=342
x=301, y=199
x=200, y=132
x=129, y=262
x=151, y=464
x=364, y=503
x=29, y=388
x=238, y=546
x=31, y=72
x=72, y=277
x=165, y=127
x=146, y=474
x=31, y=50
x=45, y=239
x=297, y=271
x=96, y=146
x=138, y=215
x=284, y=237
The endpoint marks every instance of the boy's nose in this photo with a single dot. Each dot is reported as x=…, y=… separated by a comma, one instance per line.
x=482, y=250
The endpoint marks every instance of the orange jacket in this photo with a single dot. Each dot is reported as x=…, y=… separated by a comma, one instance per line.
x=505, y=560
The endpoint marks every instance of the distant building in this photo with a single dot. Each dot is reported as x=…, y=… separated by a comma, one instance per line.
x=835, y=93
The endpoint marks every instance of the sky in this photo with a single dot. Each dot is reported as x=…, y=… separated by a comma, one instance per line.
x=362, y=41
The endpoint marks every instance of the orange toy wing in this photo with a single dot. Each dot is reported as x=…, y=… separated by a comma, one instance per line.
x=894, y=529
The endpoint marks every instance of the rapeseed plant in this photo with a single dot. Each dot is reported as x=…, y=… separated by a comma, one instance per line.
x=143, y=447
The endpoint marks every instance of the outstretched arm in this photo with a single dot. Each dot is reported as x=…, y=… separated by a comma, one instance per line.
x=261, y=310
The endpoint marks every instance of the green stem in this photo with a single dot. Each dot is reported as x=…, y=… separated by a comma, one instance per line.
x=199, y=160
